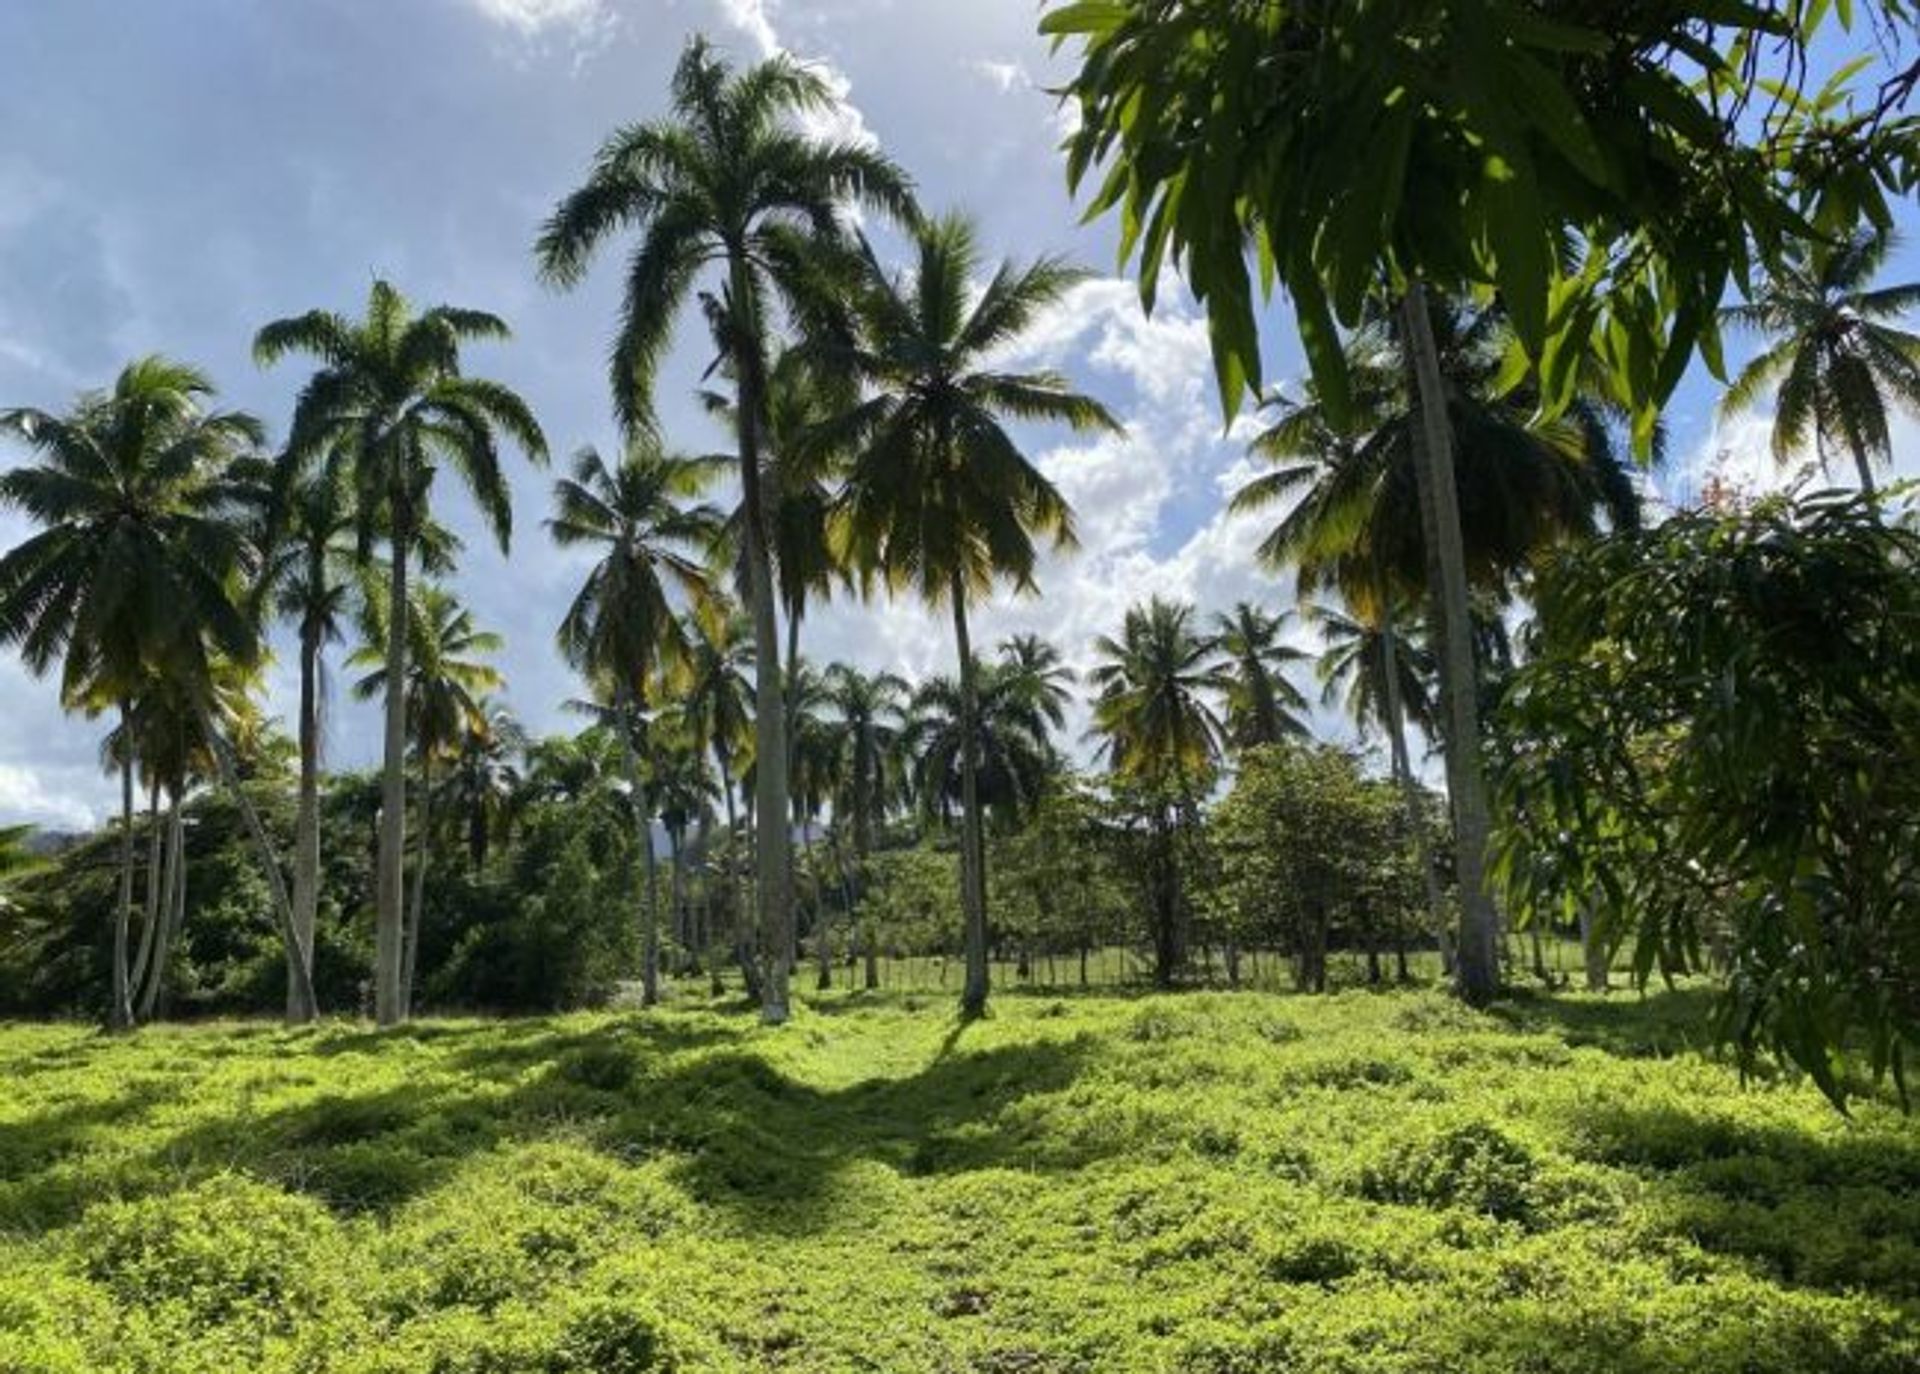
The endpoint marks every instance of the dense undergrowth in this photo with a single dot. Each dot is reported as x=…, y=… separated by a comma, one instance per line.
x=1220, y=1183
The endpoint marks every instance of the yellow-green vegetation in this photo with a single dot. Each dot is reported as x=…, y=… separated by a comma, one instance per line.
x=1218, y=1182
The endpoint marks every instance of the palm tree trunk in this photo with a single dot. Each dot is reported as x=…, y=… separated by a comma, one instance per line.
x=389, y=1009
x=1865, y=469
x=973, y=897
x=170, y=862
x=1409, y=790
x=149, y=925
x=304, y=1007
x=306, y=824
x=1477, y=971
x=410, y=942
x=773, y=856
x=120, y=1014
x=643, y=841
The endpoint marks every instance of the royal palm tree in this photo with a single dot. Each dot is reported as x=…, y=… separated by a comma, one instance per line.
x=387, y=408
x=1163, y=740
x=730, y=180
x=1837, y=361
x=622, y=626
x=447, y=683
x=939, y=499
x=132, y=577
x=1263, y=705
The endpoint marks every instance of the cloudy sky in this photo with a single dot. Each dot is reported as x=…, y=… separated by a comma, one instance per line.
x=175, y=174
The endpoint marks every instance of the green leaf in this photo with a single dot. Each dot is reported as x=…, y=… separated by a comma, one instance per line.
x=1320, y=339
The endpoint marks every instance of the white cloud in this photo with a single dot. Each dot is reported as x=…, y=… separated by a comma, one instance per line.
x=26, y=796
x=1006, y=76
x=531, y=17
x=844, y=122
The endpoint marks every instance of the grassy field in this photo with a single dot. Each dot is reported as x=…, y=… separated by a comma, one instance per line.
x=1209, y=1182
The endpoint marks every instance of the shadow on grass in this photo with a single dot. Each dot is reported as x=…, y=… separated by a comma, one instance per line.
x=1659, y=1023
x=749, y=1140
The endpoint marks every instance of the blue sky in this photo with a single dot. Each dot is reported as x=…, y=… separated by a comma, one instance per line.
x=179, y=173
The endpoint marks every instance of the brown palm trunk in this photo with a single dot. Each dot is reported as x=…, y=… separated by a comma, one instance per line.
x=1477, y=972
x=150, y=918
x=1409, y=789
x=643, y=843
x=171, y=874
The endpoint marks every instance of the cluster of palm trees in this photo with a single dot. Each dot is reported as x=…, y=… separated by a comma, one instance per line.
x=870, y=411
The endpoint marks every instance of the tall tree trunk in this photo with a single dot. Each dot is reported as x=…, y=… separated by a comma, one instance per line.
x=643, y=843
x=1477, y=970
x=682, y=920
x=773, y=858
x=306, y=823
x=170, y=892
x=1593, y=951
x=229, y=773
x=410, y=943
x=150, y=922
x=737, y=895
x=973, y=869
x=1409, y=789
x=1865, y=468
x=120, y=1014
x=389, y=1007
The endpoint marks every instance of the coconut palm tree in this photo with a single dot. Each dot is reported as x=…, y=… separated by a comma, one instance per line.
x=387, y=408
x=447, y=682
x=938, y=498
x=717, y=704
x=1162, y=739
x=1036, y=670
x=622, y=626
x=869, y=709
x=1837, y=360
x=310, y=578
x=729, y=180
x=1263, y=705
x=1364, y=499
x=485, y=779
x=132, y=577
x=1383, y=672
x=1014, y=760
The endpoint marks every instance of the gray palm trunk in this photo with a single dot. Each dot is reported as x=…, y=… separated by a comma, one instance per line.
x=120, y=1014
x=172, y=899
x=304, y=1007
x=306, y=824
x=410, y=945
x=973, y=896
x=773, y=848
x=1409, y=790
x=150, y=918
x=1477, y=970
x=643, y=841
x=389, y=1008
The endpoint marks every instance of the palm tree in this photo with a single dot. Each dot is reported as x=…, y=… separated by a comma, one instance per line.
x=1837, y=359
x=486, y=778
x=447, y=681
x=1366, y=500
x=1014, y=759
x=132, y=577
x=1263, y=706
x=309, y=578
x=938, y=496
x=388, y=406
x=716, y=702
x=1383, y=673
x=1036, y=670
x=1162, y=739
x=622, y=627
x=730, y=179
x=869, y=707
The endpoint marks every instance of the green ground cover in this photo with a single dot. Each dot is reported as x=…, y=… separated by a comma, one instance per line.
x=1209, y=1182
